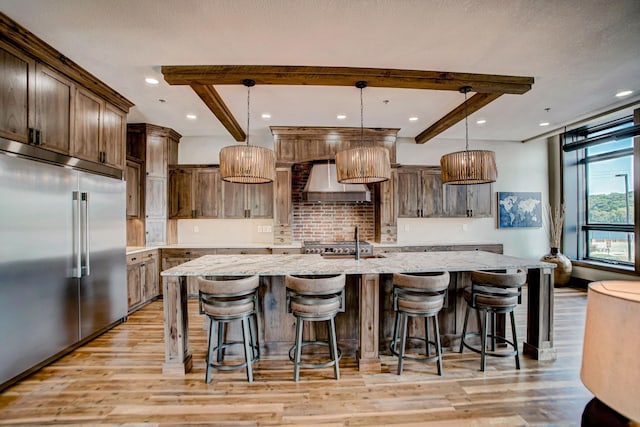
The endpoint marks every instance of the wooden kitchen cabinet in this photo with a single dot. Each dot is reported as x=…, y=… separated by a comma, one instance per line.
x=157, y=146
x=420, y=192
x=468, y=201
x=386, y=210
x=194, y=192
x=247, y=200
x=422, y=195
x=54, y=108
x=86, y=129
x=16, y=94
x=282, y=206
x=132, y=175
x=113, y=136
x=142, y=278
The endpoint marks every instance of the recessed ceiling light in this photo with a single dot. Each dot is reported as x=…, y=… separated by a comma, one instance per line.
x=152, y=81
x=544, y=123
x=481, y=121
x=191, y=116
x=413, y=119
x=266, y=116
x=341, y=117
x=624, y=93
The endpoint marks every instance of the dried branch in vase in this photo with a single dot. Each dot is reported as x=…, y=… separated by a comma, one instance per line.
x=556, y=220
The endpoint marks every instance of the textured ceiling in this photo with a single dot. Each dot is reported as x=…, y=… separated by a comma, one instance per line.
x=580, y=52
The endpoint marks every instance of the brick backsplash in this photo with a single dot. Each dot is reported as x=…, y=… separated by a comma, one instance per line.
x=327, y=221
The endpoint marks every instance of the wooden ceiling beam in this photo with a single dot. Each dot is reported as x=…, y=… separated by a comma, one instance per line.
x=474, y=103
x=212, y=99
x=343, y=76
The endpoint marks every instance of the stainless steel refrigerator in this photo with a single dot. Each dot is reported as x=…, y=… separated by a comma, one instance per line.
x=62, y=258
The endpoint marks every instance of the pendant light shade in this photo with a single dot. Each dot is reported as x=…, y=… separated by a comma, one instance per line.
x=247, y=164
x=363, y=164
x=468, y=166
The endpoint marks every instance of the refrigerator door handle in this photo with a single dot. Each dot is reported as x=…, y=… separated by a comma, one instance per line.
x=77, y=232
x=86, y=267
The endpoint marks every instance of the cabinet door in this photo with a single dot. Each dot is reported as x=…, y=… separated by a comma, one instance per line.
x=155, y=232
x=86, y=129
x=180, y=192
x=282, y=215
x=156, y=164
x=469, y=200
x=114, y=134
x=233, y=205
x=260, y=200
x=134, y=291
x=133, y=189
x=431, y=194
x=155, y=197
x=53, y=109
x=481, y=200
x=387, y=203
x=150, y=287
x=409, y=193
x=206, y=192
x=16, y=91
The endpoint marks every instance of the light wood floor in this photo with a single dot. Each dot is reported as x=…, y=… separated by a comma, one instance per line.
x=116, y=379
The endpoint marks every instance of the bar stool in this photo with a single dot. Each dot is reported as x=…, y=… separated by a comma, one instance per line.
x=315, y=298
x=418, y=295
x=490, y=294
x=225, y=300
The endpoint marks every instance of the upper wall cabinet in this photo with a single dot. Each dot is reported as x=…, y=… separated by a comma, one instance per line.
x=49, y=101
x=421, y=194
x=194, y=193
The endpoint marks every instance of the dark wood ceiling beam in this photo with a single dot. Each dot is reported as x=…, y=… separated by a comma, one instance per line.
x=212, y=99
x=474, y=103
x=343, y=76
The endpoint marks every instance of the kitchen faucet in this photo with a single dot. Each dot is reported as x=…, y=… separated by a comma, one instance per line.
x=357, y=244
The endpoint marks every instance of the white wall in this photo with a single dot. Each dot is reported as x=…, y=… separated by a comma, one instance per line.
x=521, y=167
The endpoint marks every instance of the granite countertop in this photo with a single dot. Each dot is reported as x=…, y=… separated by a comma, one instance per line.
x=278, y=265
x=137, y=249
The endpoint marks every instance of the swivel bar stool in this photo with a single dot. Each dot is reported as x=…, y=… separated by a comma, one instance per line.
x=490, y=294
x=418, y=295
x=225, y=300
x=315, y=298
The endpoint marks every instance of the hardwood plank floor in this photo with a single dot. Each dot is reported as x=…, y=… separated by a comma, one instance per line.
x=117, y=380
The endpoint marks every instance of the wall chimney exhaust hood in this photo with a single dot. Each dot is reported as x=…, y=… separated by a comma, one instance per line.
x=323, y=186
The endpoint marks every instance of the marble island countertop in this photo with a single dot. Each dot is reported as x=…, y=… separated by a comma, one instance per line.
x=277, y=265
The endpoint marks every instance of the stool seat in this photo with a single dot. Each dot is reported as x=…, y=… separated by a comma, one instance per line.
x=490, y=297
x=315, y=298
x=492, y=293
x=418, y=295
x=224, y=300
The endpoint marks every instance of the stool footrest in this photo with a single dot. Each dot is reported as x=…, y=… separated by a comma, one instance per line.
x=227, y=367
x=314, y=365
x=425, y=358
x=510, y=353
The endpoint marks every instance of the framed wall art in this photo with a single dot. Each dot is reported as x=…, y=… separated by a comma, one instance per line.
x=519, y=209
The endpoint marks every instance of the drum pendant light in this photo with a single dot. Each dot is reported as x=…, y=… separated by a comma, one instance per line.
x=468, y=166
x=363, y=164
x=247, y=164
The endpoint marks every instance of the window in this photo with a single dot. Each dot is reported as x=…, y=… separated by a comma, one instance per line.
x=598, y=166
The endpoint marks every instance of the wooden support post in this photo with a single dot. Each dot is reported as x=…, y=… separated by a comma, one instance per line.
x=539, y=343
x=176, y=327
x=368, y=357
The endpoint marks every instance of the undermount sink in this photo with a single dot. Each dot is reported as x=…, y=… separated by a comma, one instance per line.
x=351, y=256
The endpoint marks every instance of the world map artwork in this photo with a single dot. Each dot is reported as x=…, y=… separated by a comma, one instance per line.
x=519, y=209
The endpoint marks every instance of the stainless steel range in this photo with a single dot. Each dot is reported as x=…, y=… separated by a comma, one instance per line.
x=344, y=247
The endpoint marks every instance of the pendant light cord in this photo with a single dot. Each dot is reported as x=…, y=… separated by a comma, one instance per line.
x=361, y=119
x=249, y=111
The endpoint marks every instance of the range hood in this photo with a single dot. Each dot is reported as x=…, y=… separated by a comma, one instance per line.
x=323, y=186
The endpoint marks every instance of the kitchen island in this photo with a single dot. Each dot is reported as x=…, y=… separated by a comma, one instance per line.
x=368, y=274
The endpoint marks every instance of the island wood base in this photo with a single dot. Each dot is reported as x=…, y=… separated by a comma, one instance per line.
x=366, y=314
